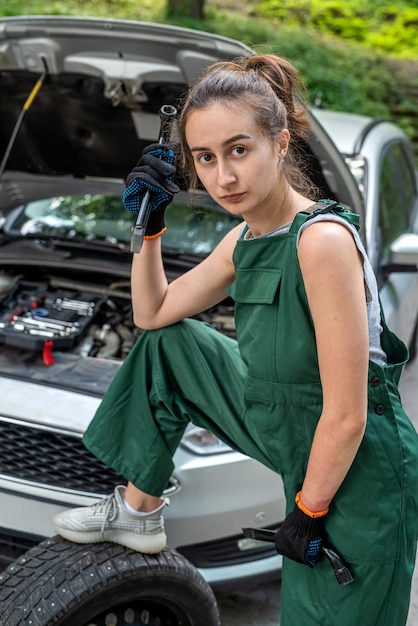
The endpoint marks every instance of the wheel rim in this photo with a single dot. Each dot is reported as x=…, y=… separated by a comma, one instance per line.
x=142, y=613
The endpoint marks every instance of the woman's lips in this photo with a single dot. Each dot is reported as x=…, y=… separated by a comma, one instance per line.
x=233, y=197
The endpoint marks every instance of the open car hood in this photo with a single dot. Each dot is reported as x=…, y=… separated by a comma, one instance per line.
x=98, y=106
x=105, y=83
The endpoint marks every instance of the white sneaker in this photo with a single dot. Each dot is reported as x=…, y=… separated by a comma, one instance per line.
x=110, y=520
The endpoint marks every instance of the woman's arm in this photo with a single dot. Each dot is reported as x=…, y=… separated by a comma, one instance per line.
x=332, y=271
x=158, y=303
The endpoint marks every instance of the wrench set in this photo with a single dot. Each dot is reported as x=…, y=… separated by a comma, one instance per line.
x=32, y=313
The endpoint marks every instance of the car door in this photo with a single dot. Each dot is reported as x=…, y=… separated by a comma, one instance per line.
x=397, y=214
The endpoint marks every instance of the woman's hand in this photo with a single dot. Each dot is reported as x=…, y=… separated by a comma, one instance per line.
x=301, y=535
x=154, y=173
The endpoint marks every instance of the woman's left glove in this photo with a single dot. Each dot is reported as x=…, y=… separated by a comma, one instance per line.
x=301, y=535
x=154, y=172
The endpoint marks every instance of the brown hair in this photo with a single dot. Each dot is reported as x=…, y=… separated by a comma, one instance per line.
x=272, y=89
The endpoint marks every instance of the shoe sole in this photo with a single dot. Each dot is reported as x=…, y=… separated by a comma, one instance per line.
x=148, y=544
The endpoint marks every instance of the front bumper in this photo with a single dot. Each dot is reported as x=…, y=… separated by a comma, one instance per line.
x=45, y=470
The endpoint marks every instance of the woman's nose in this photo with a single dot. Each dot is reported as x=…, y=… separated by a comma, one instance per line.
x=225, y=174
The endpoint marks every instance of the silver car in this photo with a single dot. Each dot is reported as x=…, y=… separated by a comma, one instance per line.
x=382, y=161
x=67, y=143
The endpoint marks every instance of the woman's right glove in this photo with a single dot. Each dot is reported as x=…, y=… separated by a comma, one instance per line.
x=301, y=535
x=154, y=172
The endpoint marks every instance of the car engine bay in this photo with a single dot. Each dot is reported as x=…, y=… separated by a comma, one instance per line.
x=58, y=323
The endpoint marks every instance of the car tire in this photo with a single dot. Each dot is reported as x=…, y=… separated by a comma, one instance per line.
x=67, y=584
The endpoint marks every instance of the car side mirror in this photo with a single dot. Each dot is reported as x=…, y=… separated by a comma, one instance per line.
x=403, y=255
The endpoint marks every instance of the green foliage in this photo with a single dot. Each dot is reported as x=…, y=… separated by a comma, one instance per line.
x=341, y=78
x=379, y=25
x=143, y=10
x=338, y=76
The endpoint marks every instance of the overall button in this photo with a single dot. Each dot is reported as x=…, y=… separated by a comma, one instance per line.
x=375, y=381
x=379, y=409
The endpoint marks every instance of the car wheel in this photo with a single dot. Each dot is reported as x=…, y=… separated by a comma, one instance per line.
x=67, y=584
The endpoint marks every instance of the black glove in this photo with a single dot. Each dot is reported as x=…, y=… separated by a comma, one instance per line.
x=154, y=173
x=300, y=537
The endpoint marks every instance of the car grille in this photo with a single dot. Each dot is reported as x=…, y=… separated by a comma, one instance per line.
x=54, y=459
x=222, y=552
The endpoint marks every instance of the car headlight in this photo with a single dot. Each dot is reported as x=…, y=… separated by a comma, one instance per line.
x=202, y=441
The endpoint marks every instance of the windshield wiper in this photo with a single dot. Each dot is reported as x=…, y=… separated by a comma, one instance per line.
x=73, y=242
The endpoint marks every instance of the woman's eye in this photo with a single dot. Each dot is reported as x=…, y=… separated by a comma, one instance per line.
x=204, y=158
x=238, y=150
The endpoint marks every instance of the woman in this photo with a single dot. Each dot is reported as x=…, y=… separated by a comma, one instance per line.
x=310, y=389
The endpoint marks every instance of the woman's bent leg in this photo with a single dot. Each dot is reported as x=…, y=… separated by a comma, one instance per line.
x=184, y=373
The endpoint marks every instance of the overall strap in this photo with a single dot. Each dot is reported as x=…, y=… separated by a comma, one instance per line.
x=324, y=206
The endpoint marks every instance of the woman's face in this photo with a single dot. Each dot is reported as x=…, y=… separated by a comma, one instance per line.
x=238, y=166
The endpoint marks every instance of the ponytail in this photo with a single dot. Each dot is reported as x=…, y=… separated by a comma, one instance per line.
x=286, y=83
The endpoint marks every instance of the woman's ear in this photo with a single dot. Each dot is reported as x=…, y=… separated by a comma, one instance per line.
x=283, y=143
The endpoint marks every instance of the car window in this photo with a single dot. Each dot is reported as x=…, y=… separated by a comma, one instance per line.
x=87, y=217
x=397, y=195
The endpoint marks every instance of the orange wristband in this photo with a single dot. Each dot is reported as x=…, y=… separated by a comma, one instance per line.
x=148, y=237
x=303, y=508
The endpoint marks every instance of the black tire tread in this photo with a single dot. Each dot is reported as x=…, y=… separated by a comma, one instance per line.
x=55, y=576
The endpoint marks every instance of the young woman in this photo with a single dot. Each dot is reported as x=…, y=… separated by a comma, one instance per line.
x=310, y=387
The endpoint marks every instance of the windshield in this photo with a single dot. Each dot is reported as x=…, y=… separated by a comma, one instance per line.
x=84, y=218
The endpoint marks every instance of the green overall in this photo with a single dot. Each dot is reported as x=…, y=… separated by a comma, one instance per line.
x=264, y=399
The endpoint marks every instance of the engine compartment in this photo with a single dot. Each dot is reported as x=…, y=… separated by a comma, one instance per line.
x=87, y=319
x=61, y=314
x=32, y=313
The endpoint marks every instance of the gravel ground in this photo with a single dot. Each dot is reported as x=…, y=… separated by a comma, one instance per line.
x=260, y=605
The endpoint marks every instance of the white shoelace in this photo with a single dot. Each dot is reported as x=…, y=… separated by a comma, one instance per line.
x=108, y=506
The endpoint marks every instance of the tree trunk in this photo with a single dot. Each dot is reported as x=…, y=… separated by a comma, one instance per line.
x=186, y=8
